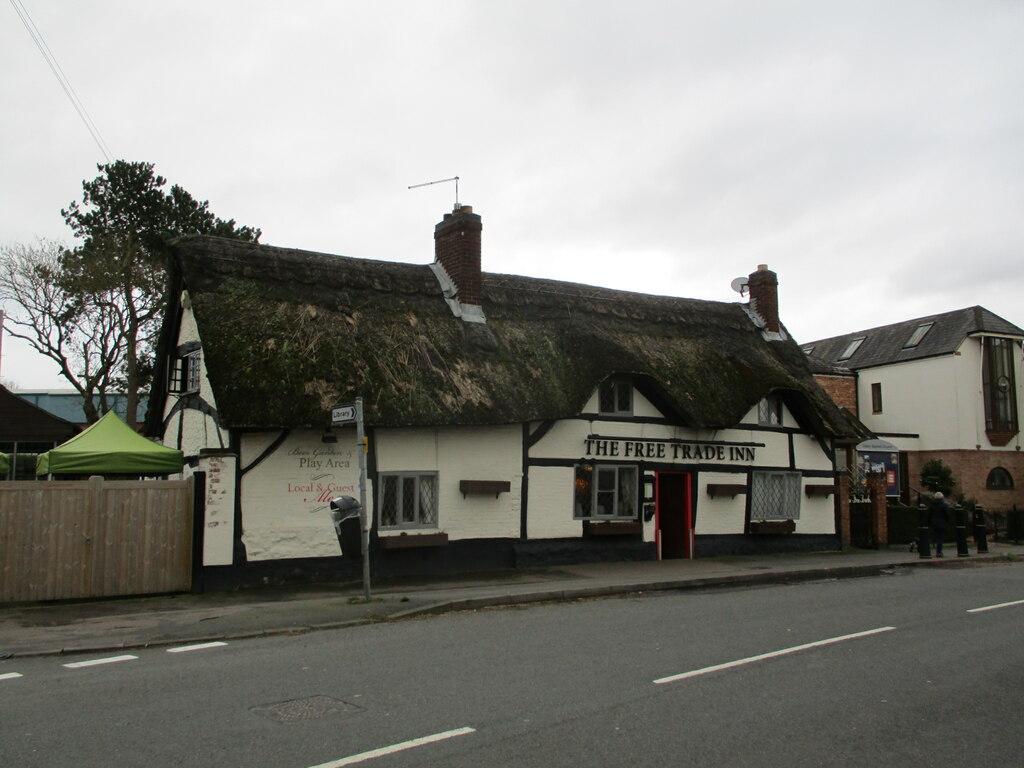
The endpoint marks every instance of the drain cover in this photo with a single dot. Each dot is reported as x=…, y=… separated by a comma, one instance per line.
x=310, y=708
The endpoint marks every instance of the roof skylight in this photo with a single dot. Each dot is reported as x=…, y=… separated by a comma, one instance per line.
x=852, y=347
x=917, y=335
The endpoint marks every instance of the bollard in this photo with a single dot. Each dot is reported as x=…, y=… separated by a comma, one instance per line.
x=923, y=545
x=961, y=531
x=980, y=529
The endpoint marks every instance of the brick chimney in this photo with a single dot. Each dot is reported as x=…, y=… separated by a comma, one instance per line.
x=764, y=297
x=457, y=250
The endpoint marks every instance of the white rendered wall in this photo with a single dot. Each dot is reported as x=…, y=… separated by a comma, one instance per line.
x=286, y=497
x=551, y=488
x=919, y=396
x=461, y=453
x=722, y=514
x=550, y=509
x=818, y=514
x=219, y=524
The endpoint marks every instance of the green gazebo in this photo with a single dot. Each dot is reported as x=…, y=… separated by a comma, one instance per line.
x=109, y=447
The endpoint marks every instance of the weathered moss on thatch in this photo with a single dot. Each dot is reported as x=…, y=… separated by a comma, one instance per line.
x=286, y=334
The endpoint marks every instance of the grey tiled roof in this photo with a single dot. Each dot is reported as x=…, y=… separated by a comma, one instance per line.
x=886, y=345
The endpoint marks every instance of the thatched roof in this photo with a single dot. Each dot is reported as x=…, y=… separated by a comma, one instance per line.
x=287, y=333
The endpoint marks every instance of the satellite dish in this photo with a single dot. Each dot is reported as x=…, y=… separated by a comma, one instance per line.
x=739, y=285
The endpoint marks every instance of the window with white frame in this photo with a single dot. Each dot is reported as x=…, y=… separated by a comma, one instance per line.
x=774, y=496
x=408, y=500
x=615, y=397
x=605, y=492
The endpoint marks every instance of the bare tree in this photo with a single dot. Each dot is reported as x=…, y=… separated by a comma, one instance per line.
x=82, y=332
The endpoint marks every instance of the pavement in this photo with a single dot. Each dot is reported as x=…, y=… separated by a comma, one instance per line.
x=138, y=622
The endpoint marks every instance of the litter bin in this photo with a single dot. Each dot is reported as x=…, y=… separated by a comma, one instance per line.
x=345, y=516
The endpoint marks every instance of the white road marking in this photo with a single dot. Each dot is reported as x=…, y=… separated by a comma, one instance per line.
x=993, y=607
x=197, y=647
x=10, y=675
x=353, y=759
x=95, y=662
x=772, y=655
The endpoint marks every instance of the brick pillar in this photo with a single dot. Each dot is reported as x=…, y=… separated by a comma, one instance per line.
x=879, y=509
x=844, y=510
x=457, y=250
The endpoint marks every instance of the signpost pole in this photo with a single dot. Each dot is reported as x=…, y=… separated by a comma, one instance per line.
x=364, y=518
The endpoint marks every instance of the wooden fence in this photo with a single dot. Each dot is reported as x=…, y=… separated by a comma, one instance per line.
x=94, y=538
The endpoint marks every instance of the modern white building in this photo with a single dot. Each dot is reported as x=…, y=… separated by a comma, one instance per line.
x=510, y=421
x=946, y=387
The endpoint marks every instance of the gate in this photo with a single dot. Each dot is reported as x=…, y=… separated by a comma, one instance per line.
x=94, y=538
x=861, y=533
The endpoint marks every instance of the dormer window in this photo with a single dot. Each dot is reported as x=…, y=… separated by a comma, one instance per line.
x=769, y=411
x=615, y=398
x=918, y=335
x=187, y=372
x=852, y=347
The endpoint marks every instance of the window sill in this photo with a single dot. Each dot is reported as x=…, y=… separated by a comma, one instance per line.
x=726, y=489
x=613, y=528
x=1001, y=437
x=819, y=490
x=484, y=487
x=773, y=526
x=410, y=541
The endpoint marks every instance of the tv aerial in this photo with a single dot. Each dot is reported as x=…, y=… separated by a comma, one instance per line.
x=740, y=285
x=440, y=181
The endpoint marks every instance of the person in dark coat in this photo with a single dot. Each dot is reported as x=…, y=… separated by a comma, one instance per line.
x=938, y=519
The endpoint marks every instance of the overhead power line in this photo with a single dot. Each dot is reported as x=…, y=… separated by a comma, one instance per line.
x=51, y=60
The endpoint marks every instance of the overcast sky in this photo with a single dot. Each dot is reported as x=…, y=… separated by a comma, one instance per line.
x=871, y=153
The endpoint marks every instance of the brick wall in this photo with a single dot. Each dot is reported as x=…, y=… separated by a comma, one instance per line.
x=970, y=471
x=842, y=390
x=457, y=249
x=764, y=296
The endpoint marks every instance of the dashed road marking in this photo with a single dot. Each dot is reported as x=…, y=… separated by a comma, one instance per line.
x=196, y=647
x=10, y=675
x=994, y=607
x=353, y=759
x=97, y=662
x=771, y=655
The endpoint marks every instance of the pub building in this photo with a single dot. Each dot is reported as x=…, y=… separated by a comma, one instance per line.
x=510, y=421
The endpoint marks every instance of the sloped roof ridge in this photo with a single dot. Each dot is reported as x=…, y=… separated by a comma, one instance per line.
x=981, y=320
x=293, y=266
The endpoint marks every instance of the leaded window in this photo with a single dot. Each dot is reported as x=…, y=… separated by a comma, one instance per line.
x=1000, y=385
x=769, y=411
x=775, y=496
x=615, y=397
x=408, y=500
